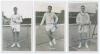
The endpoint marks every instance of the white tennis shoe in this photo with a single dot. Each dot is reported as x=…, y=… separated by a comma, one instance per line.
x=13, y=45
x=18, y=45
x=50, y=43
x=80, y=45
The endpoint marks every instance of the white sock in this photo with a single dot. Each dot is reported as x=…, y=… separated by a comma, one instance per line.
x=86, y=45
x=80, y=45
x=54, y=41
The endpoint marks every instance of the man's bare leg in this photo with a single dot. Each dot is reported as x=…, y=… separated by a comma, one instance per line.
x=50, y=38
x=13, y=45
x=17, y=39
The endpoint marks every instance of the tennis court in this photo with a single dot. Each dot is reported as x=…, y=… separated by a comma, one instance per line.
x=42, y=40
x=74, y=39
x=25, y=38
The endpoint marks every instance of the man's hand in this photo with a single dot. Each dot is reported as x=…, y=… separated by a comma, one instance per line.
x=3, y=14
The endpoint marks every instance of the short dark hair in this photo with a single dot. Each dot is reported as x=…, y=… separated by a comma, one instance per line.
x=50, y=6
x=15, y=7
x=82, y=6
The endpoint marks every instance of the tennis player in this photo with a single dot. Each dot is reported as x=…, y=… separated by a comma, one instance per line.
x=83, y=21
x=15, y=22
x=51, y=25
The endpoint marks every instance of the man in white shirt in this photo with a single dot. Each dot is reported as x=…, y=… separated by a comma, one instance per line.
x=15, y=22
x=51, y=24
x=83, y=21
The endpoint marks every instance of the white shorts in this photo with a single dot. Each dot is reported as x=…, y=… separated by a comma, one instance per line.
x=50, y=27
x=15, y=28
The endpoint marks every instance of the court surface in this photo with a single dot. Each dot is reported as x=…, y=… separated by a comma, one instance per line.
x=42, y=40
x=74, y=37
x=25, y=38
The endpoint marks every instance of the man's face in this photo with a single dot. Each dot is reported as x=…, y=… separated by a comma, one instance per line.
x=49, y=9
x=82, y=8
x=15, y=10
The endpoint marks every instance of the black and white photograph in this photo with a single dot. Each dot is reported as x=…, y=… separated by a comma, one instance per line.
x=83, y=26
x=16, y=25
x=49, y=16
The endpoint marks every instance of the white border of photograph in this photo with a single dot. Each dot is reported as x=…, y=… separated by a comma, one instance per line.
x=66, y=33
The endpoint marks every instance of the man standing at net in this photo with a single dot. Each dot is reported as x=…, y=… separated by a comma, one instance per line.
x=83, y=21
x=51, y=22
x=15, y=22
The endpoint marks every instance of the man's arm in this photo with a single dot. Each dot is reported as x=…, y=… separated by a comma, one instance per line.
x=21, y=19
x=43, y=19
x=88, y=19
x=56, y=18
x=78, y=19
x=4, y=16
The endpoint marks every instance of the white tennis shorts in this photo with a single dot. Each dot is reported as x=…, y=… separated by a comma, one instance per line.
x=16, y=28
x=50, y=27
